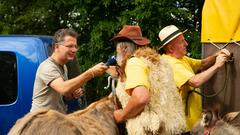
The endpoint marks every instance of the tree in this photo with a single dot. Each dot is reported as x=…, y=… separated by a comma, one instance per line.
x=98, y=21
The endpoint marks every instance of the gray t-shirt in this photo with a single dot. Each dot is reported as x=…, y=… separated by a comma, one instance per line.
x=43, y=95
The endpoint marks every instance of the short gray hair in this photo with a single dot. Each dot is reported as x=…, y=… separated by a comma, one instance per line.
x=61, y=33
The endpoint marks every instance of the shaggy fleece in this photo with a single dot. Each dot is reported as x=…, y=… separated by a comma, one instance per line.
x=164, y=115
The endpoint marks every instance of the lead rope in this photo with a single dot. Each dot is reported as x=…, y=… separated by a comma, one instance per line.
x=112, y=81
x=219, y=48
x=227, y=70
x=210, y=41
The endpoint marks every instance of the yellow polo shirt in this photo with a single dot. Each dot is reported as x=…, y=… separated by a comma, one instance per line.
x=136, y=74
x=183, y=70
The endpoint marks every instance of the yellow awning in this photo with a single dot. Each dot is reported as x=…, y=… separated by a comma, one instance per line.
x=221, y=20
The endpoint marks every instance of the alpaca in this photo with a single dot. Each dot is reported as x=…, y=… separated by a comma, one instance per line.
x=97, y=119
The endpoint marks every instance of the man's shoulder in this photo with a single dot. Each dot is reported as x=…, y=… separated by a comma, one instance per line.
x=170, y=59
x=46, y=65
x=135, y=60
x=191, y=60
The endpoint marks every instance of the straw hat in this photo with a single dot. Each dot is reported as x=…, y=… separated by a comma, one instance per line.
x=169, y=33
x=131, y=33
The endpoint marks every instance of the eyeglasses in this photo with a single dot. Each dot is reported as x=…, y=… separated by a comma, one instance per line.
x=69, y=46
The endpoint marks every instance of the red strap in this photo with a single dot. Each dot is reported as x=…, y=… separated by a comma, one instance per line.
x=206, y=132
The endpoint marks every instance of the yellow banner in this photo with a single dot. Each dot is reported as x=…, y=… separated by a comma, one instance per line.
x=221, y=21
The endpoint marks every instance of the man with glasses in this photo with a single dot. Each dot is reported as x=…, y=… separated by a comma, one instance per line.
x=51, y=85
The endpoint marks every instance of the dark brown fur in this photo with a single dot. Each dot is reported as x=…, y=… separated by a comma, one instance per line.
x=97, y=119
x=228, y=125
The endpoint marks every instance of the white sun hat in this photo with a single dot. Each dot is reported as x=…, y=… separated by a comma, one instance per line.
x=169, y=33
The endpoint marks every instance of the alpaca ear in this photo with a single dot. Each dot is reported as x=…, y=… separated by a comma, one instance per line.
x=232, y=118
x=115, y=100
x=207, y=117
x=110, y=95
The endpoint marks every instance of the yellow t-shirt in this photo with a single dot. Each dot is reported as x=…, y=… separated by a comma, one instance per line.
x=183, y=70
x=136, y=74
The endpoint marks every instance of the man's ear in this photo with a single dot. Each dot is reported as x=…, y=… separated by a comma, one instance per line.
x=169, y=48
x=55, y=46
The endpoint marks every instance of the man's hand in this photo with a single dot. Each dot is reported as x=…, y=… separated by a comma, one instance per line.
x=223, y=51
x=112, y=71
x=211, y=60
x=221, y=59
x=77, y=93
x=98, y=69
x=136, y=104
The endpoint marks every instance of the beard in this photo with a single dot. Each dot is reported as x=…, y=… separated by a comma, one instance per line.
x=120, y=58
x=121, y=61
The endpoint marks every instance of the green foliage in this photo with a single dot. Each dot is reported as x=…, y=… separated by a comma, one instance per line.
x=98, y=21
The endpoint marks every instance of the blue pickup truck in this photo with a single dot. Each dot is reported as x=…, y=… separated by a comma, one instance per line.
x=20, y=57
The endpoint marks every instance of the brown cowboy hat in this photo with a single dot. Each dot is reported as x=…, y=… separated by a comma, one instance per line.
x=132, y=33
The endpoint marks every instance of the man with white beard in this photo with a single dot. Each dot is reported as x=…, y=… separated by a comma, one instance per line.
x=146, y=89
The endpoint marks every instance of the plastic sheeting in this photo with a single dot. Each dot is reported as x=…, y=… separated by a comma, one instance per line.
x=221, y=21
x=228, y=99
